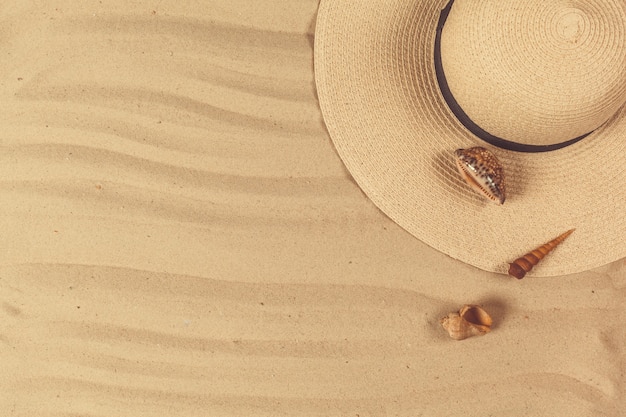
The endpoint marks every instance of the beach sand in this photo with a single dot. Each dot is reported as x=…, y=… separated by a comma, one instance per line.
x=180, y=238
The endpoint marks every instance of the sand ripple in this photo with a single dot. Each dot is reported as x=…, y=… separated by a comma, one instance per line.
x=180, y=238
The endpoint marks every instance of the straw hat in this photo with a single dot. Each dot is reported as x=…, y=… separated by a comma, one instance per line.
x=540, y=83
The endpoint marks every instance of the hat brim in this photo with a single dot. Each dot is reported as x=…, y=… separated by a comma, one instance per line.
x=378, y=92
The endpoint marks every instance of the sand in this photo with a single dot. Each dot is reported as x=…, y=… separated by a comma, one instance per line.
x=180, y=238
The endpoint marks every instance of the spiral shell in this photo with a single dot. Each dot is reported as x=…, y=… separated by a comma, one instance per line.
x=471, y=320
x=519, y=267
x=483, y=172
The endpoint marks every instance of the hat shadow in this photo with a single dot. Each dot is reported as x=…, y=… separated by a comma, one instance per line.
x=310, y=36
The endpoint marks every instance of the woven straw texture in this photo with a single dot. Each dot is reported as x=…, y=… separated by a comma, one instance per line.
x=396, y=135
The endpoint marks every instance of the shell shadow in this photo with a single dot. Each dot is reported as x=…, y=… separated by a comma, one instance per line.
x=449, y=179
x=497, y=307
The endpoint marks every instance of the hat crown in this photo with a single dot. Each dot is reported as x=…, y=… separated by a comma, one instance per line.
x=536, y=72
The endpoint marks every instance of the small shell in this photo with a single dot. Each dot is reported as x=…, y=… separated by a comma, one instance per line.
x=483, y=172
x=470, y=321
x=520, y=266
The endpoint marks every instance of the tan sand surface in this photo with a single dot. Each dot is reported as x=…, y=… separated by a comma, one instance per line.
x=179, y=238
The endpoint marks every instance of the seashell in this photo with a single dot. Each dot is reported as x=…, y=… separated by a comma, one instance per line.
x=482, y=171
x=520, y=266
x=470, y=321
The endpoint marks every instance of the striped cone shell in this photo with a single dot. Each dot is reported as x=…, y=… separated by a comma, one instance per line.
x=519, y=267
